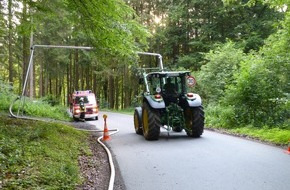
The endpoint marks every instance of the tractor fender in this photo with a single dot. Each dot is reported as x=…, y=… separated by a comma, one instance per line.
x=139, y=111
x=196, y=102
x=154, y=104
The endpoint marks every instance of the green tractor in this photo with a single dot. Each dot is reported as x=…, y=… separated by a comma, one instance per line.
x=167, y=103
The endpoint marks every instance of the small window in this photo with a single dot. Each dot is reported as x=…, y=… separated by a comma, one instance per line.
x=78, y=99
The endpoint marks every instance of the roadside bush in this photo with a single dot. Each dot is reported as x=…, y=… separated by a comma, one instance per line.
x=51, y=100
x=260, y=94
x=218, y=116
x=44, y=109
x=213, y=78
x=256, y=92
x=6, y=95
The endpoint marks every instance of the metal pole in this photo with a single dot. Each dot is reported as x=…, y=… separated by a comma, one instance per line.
x=66, y=47
x=25, y=81
x=31, y=84
x=28, y=70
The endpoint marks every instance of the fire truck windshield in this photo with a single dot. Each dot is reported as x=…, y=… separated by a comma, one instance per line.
x=87, y=99
x=91, y=99
x=79, y=97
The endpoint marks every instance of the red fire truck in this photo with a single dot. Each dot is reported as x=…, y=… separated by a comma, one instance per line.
x=83, y=105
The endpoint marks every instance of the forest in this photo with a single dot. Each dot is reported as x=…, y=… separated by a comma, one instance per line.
x=238, y=50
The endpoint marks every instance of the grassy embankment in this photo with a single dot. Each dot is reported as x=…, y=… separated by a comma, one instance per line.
x=39, y=155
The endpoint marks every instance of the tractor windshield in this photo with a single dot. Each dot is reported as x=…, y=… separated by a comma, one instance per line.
x=154, y=84
x=172, y=85
x=167, y=85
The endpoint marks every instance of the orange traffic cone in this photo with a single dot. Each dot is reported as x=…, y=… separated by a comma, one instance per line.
x=106, y=135
x=288, y=150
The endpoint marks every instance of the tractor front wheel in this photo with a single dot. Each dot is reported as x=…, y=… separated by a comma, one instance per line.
x=138, y=120
x=151, y=122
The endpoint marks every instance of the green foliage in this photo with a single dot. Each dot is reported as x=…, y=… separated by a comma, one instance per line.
x=248, y=90
x=6, y=95
x=51, y=100
x=254, y=96
x=39, y=108
x=110, y=24
x=261, y=93
x=38, y=155
x=194, y=26
x=190, y=61
x=48, y=107
x=223, y=62
x=220, y=116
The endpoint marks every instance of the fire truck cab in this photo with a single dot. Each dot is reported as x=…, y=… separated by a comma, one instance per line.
x=91, y=107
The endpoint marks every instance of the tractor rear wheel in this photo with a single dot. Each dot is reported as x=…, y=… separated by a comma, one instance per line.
x=151, y=122
x=194, y=121
x=138, y=120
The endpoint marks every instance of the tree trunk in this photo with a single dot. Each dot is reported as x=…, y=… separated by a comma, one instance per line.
x=116, y=102
x=41, y=93
x=25, y=47
x=76, y=71
x=10, y=42
x=111, y=92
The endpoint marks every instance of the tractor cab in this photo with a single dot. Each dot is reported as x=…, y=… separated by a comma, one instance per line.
x=169, y=86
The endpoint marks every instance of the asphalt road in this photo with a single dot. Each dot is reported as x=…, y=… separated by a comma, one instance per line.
x=214, y=161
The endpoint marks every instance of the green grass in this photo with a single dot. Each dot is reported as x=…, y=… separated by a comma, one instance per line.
x=39, y=155
x=274, y=135
x=39, y=108
x=218, y=118
x=43, y=109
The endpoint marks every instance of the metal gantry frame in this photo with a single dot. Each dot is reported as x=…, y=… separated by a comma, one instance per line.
x=154, y=54
x=30, y=64
x=21, y=98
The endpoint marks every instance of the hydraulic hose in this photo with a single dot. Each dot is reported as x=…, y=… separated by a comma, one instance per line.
x=111, y=163
x=11, y=106
x=112, y=167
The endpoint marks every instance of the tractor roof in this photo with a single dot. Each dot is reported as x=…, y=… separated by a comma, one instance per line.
x=168, y=74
